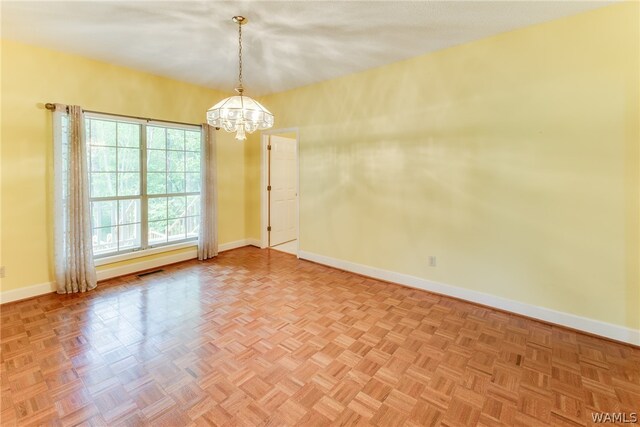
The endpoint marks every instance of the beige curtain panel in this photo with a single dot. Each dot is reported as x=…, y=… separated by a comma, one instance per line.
x=74, y=267
x=208, y=236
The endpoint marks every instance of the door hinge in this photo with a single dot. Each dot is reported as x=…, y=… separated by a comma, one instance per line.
x=269, y=147
x=269, y=228
x=268, y=188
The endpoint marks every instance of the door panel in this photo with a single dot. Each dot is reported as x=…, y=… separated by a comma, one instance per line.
x=283, y=190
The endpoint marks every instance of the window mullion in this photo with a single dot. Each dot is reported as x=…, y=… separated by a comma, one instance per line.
x=118, y=230
x=144, y=202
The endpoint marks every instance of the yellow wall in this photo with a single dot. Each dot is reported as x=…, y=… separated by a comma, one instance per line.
x=32, y=76
x=512, y=159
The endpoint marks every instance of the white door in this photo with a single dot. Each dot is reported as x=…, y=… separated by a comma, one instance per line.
x=283, y=194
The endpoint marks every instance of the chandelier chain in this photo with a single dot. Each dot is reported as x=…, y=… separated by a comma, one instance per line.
x=240, y=53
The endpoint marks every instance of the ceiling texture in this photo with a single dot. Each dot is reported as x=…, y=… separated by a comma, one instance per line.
x=286, y=44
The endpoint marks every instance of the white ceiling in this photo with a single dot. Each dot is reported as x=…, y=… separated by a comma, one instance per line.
x=286, y=43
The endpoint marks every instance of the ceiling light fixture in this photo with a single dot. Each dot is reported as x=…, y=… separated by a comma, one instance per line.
x=240, y=113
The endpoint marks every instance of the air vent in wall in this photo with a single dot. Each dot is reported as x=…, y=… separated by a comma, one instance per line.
x=150, y=272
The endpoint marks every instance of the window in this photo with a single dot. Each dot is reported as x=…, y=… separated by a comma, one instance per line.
x=145, y=183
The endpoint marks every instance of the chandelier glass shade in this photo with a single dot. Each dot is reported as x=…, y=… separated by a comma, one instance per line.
x=239, y=113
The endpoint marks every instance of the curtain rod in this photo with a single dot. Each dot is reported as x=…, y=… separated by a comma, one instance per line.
x=51, y=106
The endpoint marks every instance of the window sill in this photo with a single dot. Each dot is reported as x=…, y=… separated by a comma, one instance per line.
x=143, y=253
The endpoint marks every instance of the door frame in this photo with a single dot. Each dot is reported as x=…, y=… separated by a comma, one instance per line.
x=264, y=197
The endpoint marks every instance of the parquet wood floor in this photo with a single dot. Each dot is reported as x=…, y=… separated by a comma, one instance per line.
x=257, y=337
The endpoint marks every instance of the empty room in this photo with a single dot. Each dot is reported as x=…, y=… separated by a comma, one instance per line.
x=313, y=213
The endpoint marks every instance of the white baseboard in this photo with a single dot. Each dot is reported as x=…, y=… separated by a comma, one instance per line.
x=192, y=253
x=238, y=244
x=596, y=327
x=27, y=292
x=123, y=270
x=254, y=242
x=232, y=245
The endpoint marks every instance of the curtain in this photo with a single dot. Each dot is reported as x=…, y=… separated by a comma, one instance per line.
x=208, y=236
x=74, y=268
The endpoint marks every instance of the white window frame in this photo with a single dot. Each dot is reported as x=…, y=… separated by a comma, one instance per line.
x=145, y=248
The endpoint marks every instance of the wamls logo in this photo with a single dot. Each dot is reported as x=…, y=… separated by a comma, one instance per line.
x=614, y=417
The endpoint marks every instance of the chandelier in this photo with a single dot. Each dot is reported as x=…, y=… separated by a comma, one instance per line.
x=239, y=113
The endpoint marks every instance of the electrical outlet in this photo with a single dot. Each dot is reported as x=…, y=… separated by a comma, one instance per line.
x=2, y=272
x=432, y=261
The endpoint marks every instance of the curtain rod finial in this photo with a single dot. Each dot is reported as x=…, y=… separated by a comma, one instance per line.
x=50, y=106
